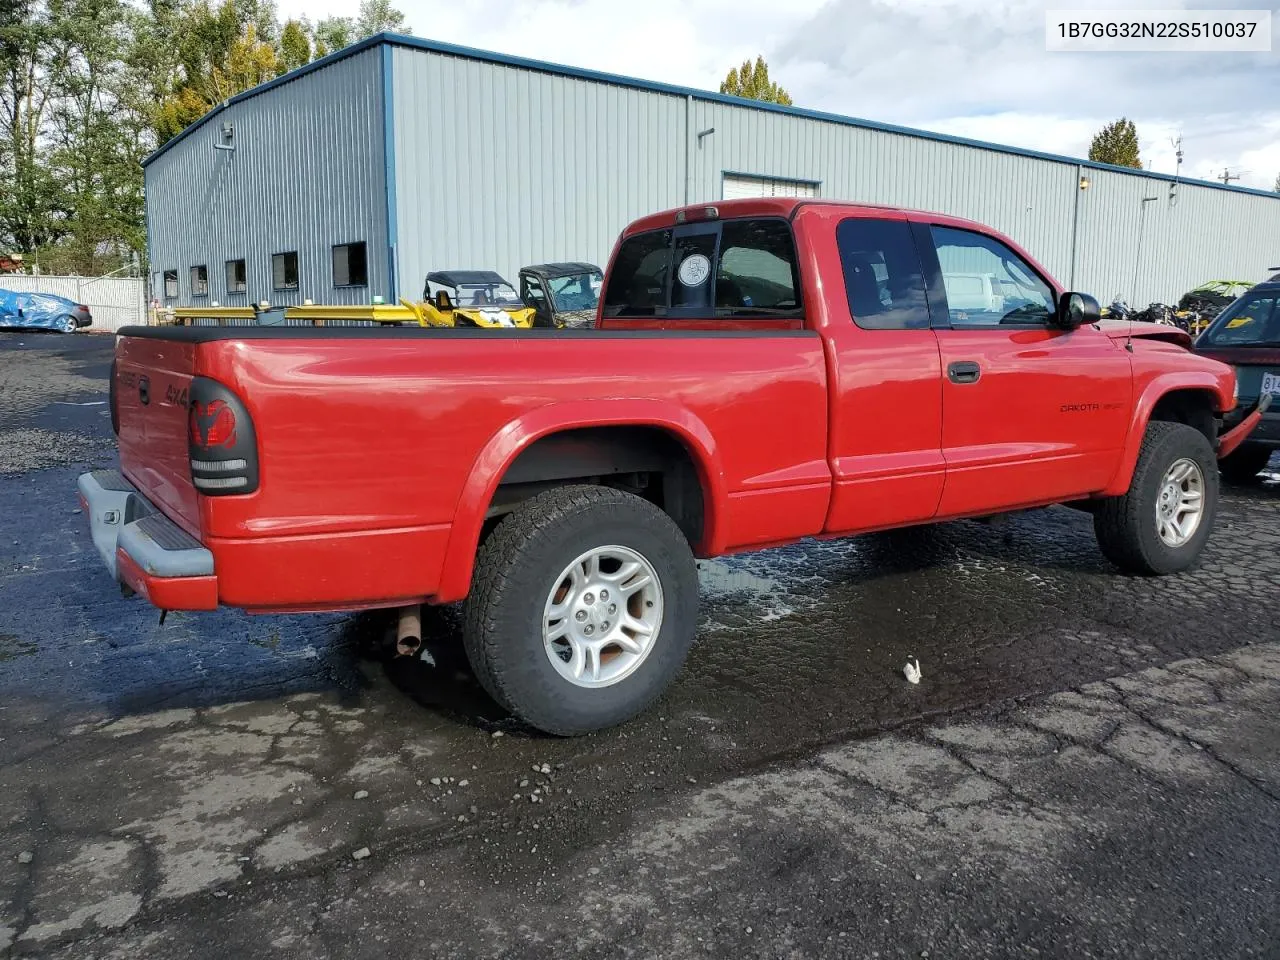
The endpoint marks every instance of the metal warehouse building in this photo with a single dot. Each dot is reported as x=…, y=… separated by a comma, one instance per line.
x=354, y=176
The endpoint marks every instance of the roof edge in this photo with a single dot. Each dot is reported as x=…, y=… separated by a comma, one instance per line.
x=332, y=58
x=653, y=86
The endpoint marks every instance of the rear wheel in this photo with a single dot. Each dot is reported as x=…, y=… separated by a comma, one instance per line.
x=1161, y=524
x=1244, y=464
x=582, y=609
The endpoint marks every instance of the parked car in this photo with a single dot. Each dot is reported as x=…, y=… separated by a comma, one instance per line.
x=42, y=311
x=473, y=298
x=1247, y=335
x=563, y=295
x=564, y=484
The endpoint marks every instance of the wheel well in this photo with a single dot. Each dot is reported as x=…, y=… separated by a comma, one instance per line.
x=647, y=461
x=1192, y=407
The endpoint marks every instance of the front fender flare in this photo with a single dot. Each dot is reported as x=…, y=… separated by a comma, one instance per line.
x=1151, y=394
x=493, y=461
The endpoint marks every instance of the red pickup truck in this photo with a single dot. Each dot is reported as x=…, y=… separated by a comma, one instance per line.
x=760, y=371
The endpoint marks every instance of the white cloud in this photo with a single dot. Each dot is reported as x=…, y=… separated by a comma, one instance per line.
x=968, y=67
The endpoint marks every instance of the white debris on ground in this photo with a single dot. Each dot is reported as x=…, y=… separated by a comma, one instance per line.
x=912, y=671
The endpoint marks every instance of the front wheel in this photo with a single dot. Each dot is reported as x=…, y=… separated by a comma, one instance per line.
x=1161, y=524
x=583, y=608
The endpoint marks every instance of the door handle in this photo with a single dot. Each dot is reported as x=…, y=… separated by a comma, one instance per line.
x=144, y=390
x=964, y=371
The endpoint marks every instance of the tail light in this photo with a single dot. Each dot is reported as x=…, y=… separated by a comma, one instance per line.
x=221, y=441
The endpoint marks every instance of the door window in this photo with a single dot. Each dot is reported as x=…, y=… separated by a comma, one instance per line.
x=882, y=276
x=987, y=284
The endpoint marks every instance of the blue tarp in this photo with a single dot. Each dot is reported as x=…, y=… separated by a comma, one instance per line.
x=38, y=311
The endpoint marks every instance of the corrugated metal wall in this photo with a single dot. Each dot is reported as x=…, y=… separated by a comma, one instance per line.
x=499, y=167
x=1028, y=199
x=308, y=172
x=1144, y=251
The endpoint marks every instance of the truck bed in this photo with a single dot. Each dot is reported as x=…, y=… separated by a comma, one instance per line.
x=390, y=443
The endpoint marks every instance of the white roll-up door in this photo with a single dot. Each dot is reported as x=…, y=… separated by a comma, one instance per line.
x=737, y=186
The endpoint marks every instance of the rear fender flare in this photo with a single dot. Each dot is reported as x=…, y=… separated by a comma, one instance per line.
x=1151, y=395
x=513, y=439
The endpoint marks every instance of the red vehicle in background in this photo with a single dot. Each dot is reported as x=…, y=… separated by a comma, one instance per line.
x=761, y=371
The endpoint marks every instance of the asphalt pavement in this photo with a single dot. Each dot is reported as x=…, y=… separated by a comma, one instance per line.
x=1088, y=768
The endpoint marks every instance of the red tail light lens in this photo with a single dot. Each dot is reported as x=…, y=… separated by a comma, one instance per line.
x=213, y=424
x=221, y=441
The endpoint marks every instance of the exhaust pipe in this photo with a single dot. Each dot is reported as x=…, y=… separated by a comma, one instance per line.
x=409, y=631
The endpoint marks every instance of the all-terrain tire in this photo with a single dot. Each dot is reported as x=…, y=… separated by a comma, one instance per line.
x=1127, y=527
x=516, y=570
x=1244, y=464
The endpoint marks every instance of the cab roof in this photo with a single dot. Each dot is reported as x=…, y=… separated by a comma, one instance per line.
x=785, y=207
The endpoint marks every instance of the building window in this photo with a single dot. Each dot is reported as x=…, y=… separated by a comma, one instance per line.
x=200, y=281
x=883, y=280
x=284, y=270
x=236, y=276
x=171, y=284
x=350, y=267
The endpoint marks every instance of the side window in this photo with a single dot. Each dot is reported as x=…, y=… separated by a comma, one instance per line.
x=171, y=284
x=987, y=284
x=533, y=292
x=235, y=276
x=200, y=281
x=882, y=276
x=638, y=282
x=350, y=265
x=757, y=270
x=284, y=271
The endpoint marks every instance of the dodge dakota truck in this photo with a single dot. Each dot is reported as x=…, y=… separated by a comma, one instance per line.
x=760, y=371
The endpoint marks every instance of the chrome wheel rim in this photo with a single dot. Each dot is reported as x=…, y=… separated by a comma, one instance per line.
x=602, y=616
x=1180, y=502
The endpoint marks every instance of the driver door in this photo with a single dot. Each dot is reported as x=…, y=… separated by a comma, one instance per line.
x=1031, y=414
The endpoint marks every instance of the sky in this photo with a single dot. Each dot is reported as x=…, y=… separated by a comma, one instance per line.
x=975, y=68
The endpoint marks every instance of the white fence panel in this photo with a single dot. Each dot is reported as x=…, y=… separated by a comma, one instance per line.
x=115, y=302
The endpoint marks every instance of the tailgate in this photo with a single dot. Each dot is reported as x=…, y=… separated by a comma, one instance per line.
x=152, y=381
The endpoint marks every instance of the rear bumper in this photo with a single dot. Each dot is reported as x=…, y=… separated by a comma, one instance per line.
x=143, y=549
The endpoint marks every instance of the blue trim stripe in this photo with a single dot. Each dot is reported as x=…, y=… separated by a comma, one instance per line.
x=389, y=153
x=541, y=66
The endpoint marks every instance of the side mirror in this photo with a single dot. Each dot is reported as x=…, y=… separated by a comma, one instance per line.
x=1075, y=310
x=443, y=302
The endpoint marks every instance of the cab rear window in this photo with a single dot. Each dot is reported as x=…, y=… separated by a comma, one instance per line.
x=732, y=268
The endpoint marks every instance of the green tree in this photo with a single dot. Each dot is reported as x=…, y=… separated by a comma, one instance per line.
x=295, y=45
x=1117, y=144
x=379, y=16
x=752, y=81
x=32, y=204
x=1276, y=188
x=333, y=33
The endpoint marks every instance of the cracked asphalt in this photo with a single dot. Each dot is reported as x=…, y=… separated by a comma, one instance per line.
x=1089, y=767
